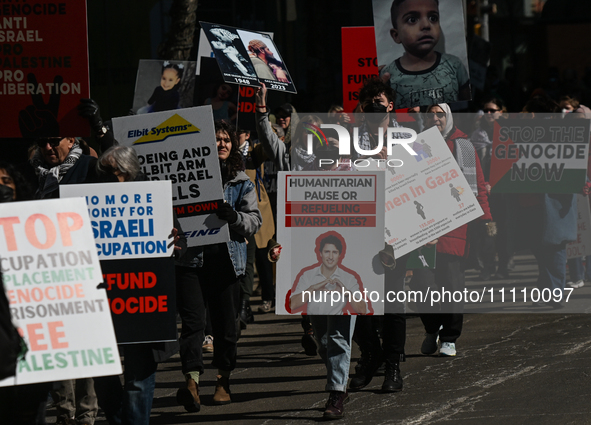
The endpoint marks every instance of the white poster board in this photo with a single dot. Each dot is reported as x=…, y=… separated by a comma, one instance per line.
x=313, y=206
x=180, y=146
x=426, y=197
x=582, y=246
x=129, y=220
x=51, y=271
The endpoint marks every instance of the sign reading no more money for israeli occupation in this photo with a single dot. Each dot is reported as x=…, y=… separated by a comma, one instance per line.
x=129, y=220
x=180, y=146
x=50, y=273
x=347, y=209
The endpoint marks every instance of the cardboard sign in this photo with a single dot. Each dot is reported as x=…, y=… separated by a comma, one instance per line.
x=50, y=272
x=539, y=155
x=360, y=62
x=142, y=299
x=163, y=86
x=180, y=146
x=129, y=220
x=347, y=209
x=248, y=58
x=582, y=246
x=428, y=196
x=442, y=46
x=44, y=68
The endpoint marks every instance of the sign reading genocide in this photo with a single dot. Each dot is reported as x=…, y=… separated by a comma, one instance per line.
x=50, y=272
x=180, y=146
x=43, y=68
x=539, y=155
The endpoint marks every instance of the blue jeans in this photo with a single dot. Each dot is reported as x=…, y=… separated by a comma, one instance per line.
x=132, y=403
x=333, y=335
x=551, y=265
x=576, y=271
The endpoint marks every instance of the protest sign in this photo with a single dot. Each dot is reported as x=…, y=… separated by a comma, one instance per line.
x=44, y=68
x=442, y=47
x=539, y=155
x=142, y=299
x=163, y=86
x=213, y=90
x=427, y=196
x=129, y=220
x=50, y=273
x=582, y=246
x=180, y=146
x=339, y=212
x=248, y=58
x=360, y=62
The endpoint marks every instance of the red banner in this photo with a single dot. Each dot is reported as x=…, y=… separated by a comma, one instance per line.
x=43, y=68
x=330, y=221
x=359, y=62
x=330, y=208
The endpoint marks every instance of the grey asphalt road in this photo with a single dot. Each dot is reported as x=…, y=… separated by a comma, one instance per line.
x=529, y=368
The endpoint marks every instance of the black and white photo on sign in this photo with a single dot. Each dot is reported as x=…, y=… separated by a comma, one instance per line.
x=229, y=51
x=264, y=56
x=421, y=49
x=163, y=86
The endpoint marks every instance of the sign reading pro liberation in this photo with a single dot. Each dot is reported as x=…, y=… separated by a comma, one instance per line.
x=180, y=146
x=43, y=68
x=541, y=155
x=50, y=274
x=331, y=226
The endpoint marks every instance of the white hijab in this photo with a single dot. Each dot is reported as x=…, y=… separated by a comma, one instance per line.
x=449, y=126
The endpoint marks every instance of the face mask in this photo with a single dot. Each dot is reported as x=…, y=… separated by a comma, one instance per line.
x=376, y=112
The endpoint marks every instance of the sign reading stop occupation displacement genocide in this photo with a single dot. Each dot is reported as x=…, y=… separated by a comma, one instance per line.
x=539, y=155
x=180, y=146
x=51, y=271
x=582, y=246
x=428, y=196
x=360, y=62
x=340, y=206
x=43, y=68
x=134, y=221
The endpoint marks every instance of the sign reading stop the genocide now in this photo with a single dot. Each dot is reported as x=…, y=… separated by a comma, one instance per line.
x=50, y=271
x=43, y=68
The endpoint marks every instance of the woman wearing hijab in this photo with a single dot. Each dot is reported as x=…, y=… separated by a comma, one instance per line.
x=446, y=327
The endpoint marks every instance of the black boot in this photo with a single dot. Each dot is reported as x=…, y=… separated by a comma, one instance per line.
x=393, y=379
x=368, y=365
x=246, y=316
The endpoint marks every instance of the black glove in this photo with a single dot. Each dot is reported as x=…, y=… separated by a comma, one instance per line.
x=89, y=109
x=226, y=212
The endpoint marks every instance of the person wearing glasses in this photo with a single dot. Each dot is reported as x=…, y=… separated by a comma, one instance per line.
x=443, y=327
x=59, y=160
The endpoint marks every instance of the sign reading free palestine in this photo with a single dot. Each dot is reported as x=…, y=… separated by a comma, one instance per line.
x=50, y=271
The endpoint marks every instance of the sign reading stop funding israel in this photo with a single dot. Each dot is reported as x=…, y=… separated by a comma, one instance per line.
x=50, y=271
x=180, y=146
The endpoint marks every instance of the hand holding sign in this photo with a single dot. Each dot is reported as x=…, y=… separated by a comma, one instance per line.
x=40, y=119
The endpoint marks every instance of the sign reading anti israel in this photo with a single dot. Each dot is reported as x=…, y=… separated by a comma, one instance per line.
x=180, y=146
x=50, y=272
x=540, y=155
x=331, y=227
x=428, y=196
x=129, y=220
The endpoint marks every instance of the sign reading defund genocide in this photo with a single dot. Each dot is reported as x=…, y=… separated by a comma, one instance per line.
x=540, y=155
x=132, y=224
x=50, y=272
x=331, y=227
x=180, y=146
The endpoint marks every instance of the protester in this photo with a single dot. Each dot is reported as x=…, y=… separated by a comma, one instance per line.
x=445, y=326
x=211, y=275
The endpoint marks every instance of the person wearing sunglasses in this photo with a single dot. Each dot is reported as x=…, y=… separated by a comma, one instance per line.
x=60, y=160
x=493, y=109
x=445, y=325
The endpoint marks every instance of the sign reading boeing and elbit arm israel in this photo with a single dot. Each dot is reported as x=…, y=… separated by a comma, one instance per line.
x=180, y=146
x=129, y=220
